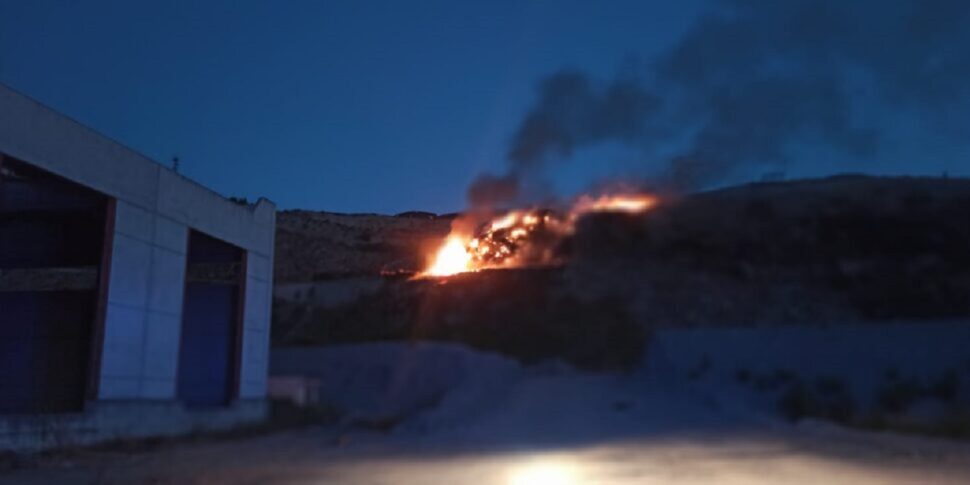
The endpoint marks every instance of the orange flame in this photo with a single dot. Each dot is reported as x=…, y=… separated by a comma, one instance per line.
x=614, y=203
x=452, y=258
x=502, y=241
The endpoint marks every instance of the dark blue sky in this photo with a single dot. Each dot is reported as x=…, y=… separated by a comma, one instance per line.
x=361, y=106
x=343, y=106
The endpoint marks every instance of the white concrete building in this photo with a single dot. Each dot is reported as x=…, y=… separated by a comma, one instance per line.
x=133, y=301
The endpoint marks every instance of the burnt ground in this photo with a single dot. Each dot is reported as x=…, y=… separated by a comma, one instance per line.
x=840, y=249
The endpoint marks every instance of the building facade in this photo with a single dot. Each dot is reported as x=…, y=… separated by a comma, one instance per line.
x=133, y=301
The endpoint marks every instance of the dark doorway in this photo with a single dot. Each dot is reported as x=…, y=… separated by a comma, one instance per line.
x=211, y=322
x=52, y=250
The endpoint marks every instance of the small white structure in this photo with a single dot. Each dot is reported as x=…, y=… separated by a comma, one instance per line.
x=133, y=301
x=299, y=390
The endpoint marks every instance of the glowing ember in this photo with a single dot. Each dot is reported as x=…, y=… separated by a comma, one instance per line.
x=524, y=237
x=618, y=203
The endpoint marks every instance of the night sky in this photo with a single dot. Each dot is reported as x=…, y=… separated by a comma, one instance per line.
x=393, y=106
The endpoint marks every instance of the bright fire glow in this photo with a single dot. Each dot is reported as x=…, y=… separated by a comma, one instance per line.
x=452, y=258
x=524, y=237
x=616, y=203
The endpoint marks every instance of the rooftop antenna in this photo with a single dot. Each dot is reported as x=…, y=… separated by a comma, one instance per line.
x=175, y=164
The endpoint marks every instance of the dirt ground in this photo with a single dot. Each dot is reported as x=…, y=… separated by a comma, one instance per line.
x=328, y=455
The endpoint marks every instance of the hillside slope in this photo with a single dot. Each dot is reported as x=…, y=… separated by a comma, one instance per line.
x=323, y=245
x=829, y=251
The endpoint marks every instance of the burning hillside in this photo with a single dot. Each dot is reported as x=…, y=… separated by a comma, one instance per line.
x=841, y=249
x=529, y=237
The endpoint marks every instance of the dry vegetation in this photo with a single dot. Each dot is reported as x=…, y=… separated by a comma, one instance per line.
x=323, y=245
x=833, y=250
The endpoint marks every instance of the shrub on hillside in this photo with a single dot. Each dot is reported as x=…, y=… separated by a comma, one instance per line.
x=519, y=313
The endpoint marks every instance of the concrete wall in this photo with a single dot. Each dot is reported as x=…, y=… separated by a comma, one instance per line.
x=155, y=209
x=112, y=420
x=144, y=314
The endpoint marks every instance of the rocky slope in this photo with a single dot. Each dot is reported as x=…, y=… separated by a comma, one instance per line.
x=827, y=251
x=323, y=245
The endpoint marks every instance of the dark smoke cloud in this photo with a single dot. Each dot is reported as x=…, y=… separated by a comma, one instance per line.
x=572, y=112
x=489, y=191
x=753, y=77
x=758, y=75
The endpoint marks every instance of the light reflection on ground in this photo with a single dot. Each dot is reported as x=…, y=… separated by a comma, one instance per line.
x=545, y=471
x=312, y=456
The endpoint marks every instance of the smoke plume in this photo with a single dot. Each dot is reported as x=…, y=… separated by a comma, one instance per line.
x=750, y=80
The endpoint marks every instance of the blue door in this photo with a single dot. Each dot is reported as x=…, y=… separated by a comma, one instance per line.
x=208, y=344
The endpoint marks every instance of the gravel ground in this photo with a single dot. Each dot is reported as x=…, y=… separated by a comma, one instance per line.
x=808, y=453
x=507, y=425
